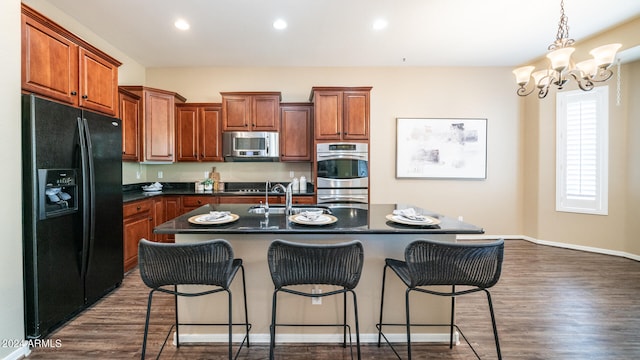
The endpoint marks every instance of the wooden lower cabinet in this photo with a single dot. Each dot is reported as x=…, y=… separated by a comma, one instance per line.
x=137, y=224
x=192, y=202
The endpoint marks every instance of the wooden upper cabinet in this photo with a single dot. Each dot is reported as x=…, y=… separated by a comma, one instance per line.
x=295, y=132
x=49, y=62
x=210, y=132
x=250, y=111
x=186, y=132
x=98, y=88
x=158, y=122
x=341, y=113
x=198, y=132
x=58, y=65
x=130, y=116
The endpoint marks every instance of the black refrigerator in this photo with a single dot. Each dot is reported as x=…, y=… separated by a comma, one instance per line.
x=72, y=211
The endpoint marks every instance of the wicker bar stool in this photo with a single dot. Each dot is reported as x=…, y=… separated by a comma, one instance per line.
x=338, y=265
x=471, y=267
x=165, y=266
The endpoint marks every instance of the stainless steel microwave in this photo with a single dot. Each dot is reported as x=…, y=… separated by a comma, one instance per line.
x=250, y=146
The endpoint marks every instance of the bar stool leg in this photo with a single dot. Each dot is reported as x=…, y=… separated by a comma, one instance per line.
x=453, y=309
x=493, y=323
x=175, y=300
x=146, y=325
x=384, y=276
x=355, y=313
x=272, y=343
x=246, y=312
x=344, y=320
x=408, y=323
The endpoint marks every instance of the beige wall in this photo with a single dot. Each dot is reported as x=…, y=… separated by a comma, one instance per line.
x=494, y=203
x=632, y=99
x=11, y=304
x=614, y=232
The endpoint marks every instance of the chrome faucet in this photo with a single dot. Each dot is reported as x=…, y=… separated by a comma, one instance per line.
x=267, y=187
x=288, y=196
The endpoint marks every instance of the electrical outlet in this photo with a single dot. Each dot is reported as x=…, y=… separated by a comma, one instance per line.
x=160, y=174
x=138, y=175
x=460, y=218
x=291, y=174
x=316, y=300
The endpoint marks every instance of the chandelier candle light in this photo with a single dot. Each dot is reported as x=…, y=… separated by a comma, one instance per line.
x=585, y=73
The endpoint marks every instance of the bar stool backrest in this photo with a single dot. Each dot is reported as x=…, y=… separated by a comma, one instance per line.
x=438, y=263
x=322, y=264
x=204, y=263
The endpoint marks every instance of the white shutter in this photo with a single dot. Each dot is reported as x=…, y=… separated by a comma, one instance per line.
x=582, y=151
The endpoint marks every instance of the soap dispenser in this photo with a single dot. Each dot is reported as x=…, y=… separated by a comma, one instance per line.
x=303, y=184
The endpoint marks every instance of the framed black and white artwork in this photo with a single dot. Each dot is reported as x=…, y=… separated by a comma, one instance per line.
x=441, y=148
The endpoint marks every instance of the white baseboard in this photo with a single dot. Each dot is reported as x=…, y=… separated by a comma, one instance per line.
x=552, y=243
x=19, y=353
x=315, y=338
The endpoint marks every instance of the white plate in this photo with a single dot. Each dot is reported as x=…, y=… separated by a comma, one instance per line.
x=323, y=219
x=203, y=219
x=403, y=220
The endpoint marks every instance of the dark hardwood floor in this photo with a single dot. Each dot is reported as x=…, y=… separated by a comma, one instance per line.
x=550, y=303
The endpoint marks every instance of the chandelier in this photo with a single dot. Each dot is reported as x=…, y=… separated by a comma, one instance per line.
x=562, y=67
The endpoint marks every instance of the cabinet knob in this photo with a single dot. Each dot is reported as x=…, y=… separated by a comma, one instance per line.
x=138, y=207
x=199, y=202
x=73, y=93
x=85, y=96
x=246, y=125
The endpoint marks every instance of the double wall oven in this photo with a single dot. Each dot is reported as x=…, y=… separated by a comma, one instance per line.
x=342, y=173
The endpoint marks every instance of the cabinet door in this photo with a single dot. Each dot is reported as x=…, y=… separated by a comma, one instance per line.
x=187, y=133
x=265, y=113
x=236, y=112
x=134, y=229
x=295, y=133
x=193, y=202
x=210, y=134
x=355, y=121
x=49, y=63
x=172, y=209
x=130, y=116
x=159, y=126
x=328, y=115
x=158, y=218
x=98, y=86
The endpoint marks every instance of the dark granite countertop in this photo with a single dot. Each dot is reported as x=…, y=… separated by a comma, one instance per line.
x=371, y=220
x=134, y=192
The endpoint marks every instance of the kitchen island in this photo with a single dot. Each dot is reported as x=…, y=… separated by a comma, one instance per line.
x=250, y=236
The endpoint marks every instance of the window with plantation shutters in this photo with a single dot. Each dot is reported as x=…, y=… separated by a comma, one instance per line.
x=582, y=151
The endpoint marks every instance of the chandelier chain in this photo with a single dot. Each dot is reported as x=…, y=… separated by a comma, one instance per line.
x=562, y=36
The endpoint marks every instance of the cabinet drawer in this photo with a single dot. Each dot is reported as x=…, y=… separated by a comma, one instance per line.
x=138, y=207
x=197, y=201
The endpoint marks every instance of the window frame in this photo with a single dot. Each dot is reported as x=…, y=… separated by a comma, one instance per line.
x=598, y=202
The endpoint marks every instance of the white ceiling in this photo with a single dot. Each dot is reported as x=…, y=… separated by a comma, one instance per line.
x=339, y=32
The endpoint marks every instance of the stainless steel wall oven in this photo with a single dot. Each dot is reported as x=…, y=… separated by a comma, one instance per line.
x=342, y=172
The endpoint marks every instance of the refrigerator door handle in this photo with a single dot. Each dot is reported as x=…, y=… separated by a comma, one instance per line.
x=85, y=198
x=92, y=192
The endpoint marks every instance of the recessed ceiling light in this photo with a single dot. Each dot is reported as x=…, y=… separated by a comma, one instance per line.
x=380, y=24
x=280, y=24
x=182, y=24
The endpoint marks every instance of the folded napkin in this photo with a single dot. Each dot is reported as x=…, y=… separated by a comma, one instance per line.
x=410, y=214
x=311, y=215
x=216, y=215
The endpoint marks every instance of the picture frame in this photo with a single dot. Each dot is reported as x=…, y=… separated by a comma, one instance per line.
x=441, y=148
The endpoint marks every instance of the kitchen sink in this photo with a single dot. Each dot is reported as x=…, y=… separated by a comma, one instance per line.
x=296, y=209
